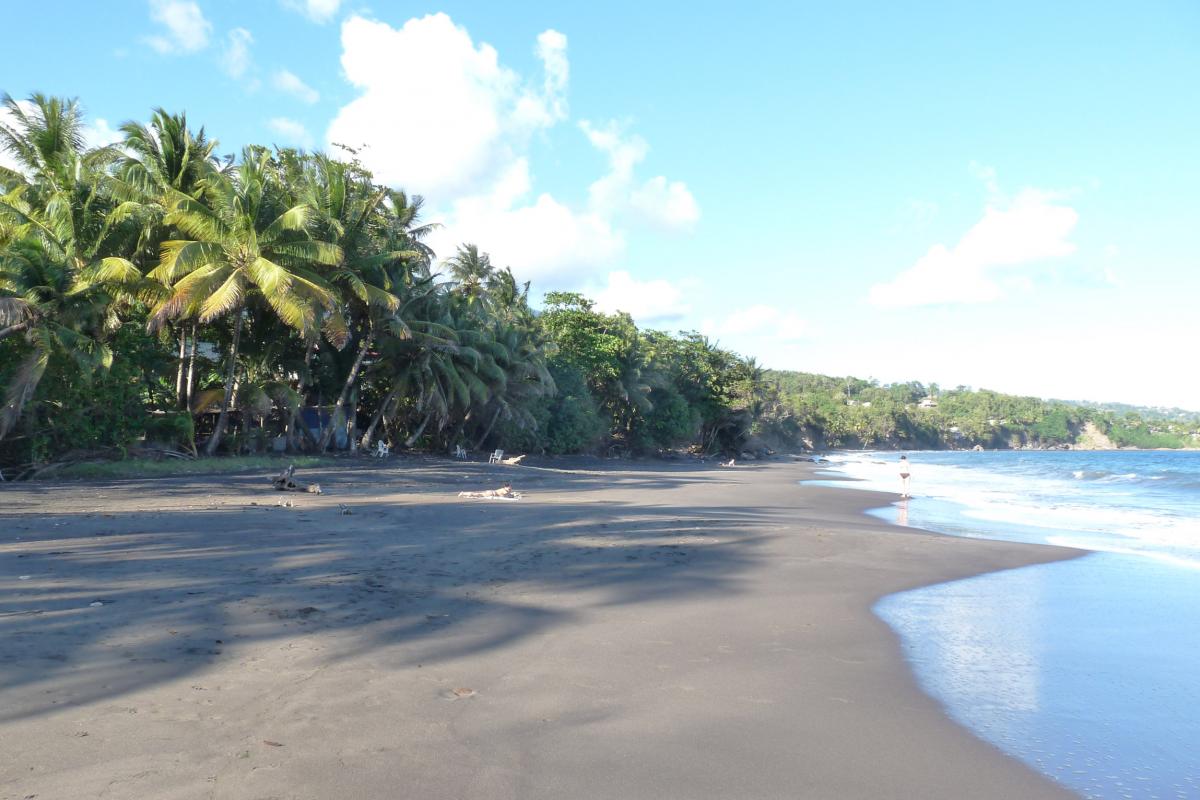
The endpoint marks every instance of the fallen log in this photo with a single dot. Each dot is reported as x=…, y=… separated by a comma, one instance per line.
x=284, y=482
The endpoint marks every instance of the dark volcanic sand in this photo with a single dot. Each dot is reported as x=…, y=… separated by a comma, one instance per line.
x=621, y=632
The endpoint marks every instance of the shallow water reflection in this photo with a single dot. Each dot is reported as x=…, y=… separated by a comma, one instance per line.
x=1088, y=670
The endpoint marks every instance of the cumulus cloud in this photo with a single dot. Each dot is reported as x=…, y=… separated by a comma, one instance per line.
x=539, y=237
x=319, y=11
x=440, y=115
x=235, y=57
x=290, y=83
x=467, y=153
x=291, y=132
x=1034, y=227
x=541, y=109
x=760, y=321
x=649, y=301
x=457, y=127
x=185, y=30
x=987, y=175
x=667, y=204
x=7, y=159
x=99, y=133
x=96, y=133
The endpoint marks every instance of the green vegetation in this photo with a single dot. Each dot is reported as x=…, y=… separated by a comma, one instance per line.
x=850, y=412
x=155, y=296
x=150, y=468
x=158, y=297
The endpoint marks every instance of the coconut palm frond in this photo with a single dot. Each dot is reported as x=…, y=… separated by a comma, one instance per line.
x=21, y=386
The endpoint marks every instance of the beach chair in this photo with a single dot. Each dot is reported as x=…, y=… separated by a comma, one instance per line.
x=496, y=457
x=460, y=451
x=382, y=449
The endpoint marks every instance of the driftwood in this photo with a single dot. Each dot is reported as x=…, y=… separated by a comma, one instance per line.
x=505, y=492
x=284, y=483
x=514, y=461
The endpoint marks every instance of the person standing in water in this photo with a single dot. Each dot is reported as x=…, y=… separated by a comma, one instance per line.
x=905, y=473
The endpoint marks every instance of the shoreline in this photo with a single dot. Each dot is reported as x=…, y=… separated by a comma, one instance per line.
x=632, y=630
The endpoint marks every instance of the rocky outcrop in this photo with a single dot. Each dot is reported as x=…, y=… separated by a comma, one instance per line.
x=1092, y=438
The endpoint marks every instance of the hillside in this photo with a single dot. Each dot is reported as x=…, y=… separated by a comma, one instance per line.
x=827, y=411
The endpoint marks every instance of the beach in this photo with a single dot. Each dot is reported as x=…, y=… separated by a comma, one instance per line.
x=628, y=630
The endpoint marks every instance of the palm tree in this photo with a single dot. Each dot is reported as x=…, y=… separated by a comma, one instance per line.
x=386, y=268
x=471, y=271
x=63, y=315
x=62, y=274
x=243, y=249
x=163, y=157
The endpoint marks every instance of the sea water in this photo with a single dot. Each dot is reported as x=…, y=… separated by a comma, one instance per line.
x=1088, y=670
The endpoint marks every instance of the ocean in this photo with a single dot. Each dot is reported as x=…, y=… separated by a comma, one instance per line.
x=1088, y=670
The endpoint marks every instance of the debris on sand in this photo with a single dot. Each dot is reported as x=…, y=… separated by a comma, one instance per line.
x=284, y=483
x=505, y=492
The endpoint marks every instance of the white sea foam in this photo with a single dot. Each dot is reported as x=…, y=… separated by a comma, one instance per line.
x=1044, y=497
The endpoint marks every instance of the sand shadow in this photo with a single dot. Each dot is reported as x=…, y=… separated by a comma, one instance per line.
x=97, y=605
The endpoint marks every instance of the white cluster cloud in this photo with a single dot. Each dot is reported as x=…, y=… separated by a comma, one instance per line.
x=649, y=301
x=235, y=58
x=436, y=113
x=99, y=133
x=319, y=11
x=439, y=115
x=539, y=238
x=289, y=83
x=95, y=134
x=668, y=204
x=1034, y=227
x=291, y=132
x=760, y=322
x=7, y=159
x=185, y=28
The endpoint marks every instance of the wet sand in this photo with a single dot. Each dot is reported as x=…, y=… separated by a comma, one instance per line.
x=629, y=631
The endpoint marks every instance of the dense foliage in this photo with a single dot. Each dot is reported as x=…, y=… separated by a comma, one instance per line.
x=154, y=294
x=157, y=295
x=849, y=412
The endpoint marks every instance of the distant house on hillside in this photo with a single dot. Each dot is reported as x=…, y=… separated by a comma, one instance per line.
x=928, y=402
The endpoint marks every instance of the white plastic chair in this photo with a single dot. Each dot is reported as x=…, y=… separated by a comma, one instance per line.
x=460, y=451
x=496, y=457
x=382, y=449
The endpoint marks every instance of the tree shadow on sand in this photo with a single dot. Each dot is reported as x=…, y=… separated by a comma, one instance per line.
x=180, y=590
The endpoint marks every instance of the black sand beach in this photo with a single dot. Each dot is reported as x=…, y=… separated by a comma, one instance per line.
x=624, y=631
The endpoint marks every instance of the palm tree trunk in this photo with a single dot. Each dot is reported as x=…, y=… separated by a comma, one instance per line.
x=191, y=372
x=20, y=326
x=214, y=441
x=411, y=440
x=352, y=422
x=488, y=432
x=379, y=414
x=350, y=379
x=179, y=393
x=297, y=419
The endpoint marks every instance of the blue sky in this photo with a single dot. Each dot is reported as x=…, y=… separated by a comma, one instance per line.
x=1003, y=197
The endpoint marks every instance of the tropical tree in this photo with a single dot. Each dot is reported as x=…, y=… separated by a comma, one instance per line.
x=245, y=248
x=62, y=271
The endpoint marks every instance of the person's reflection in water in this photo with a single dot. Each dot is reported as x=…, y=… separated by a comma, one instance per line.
x=902, y=513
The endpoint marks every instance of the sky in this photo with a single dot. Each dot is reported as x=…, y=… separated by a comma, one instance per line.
x=1002, y=196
